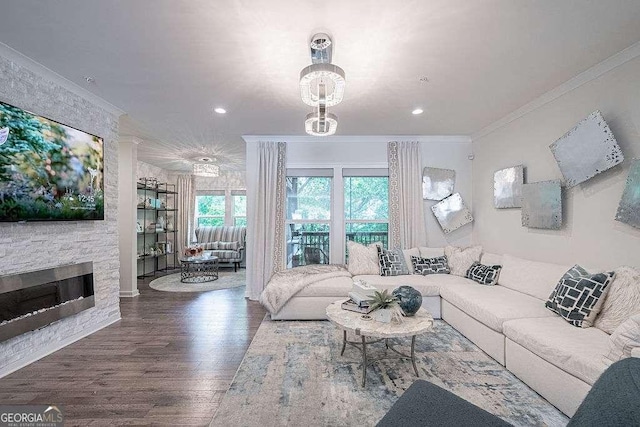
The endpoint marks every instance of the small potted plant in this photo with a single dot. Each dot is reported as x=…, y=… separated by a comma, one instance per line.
x=385, y=307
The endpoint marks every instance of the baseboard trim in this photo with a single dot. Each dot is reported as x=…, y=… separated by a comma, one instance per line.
x=129, y=294
x=29, y=359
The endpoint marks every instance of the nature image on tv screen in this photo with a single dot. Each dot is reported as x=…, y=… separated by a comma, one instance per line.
x=48, y=171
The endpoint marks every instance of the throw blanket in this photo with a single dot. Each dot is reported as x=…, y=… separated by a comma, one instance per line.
x=285, y=284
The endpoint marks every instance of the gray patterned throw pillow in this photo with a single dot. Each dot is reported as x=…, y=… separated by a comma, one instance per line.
x=484, y=274
x=392, y=262
x=424, y=266
x=579, y=295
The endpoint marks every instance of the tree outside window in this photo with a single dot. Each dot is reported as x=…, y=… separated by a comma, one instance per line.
x=366, y=209
x=240, y=210
x=210, y=210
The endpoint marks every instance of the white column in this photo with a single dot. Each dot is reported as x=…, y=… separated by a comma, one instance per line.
x=127, y=201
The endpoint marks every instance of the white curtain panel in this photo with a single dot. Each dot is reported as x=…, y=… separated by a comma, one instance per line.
x=265, y=224
x=406, y=206
x=186, y=212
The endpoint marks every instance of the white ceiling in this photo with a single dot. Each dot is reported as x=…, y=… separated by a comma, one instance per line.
x=167, y=63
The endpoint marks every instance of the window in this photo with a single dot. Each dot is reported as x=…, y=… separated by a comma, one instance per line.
x=366, y=209
x=240, y=210
x=308, y=219
x=221, y=207
x=210, y=209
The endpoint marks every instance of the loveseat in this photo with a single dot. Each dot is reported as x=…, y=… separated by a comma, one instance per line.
x=225, y=242
x=508, y=321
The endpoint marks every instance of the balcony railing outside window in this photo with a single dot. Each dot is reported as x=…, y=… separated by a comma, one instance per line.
x=308, y=220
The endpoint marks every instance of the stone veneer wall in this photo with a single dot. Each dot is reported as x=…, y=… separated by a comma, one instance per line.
x=41, y=245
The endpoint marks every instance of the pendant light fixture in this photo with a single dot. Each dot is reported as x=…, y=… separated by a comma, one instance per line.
x=321, y=86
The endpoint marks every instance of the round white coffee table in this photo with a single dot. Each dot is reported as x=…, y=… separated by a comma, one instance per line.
x=350, y=321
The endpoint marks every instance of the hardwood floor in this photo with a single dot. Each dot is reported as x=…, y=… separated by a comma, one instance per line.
x=168, y=361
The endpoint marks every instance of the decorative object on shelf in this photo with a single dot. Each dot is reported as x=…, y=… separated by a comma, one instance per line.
x=169, y=246
x=169, y=225
x=161, y=224
x=437, y=183
x=452, y=213
x=586, y=150
x=385, y=307
x=139, y=228
x=148, y=182
x=409, y=299
x=629, y=207
x=321, y=85
x=507, y=187
x=542, y=205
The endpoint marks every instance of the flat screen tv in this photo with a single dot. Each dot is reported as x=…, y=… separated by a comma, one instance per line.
x=48, y=171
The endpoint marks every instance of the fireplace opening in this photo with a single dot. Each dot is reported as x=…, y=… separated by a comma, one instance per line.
x=32, y=300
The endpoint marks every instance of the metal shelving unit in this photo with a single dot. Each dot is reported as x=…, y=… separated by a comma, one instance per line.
x=156, y=215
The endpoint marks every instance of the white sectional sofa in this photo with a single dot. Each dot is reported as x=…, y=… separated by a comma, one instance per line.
x=508, y=321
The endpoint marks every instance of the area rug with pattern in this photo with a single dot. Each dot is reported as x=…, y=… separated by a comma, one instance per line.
x=293, y=374
x=226, y=280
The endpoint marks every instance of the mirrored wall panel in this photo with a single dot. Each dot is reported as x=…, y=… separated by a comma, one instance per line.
x=507, y=187
x=629, y=208
x=437, y=183
x=542, y=205
x=452, y=213
x=586, y=150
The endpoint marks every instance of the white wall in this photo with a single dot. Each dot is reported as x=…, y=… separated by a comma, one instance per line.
x=41, y=245
x=590, y=235
x=145, y=170
x=371, y=151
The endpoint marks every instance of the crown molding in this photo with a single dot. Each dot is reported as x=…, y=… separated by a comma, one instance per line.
x=46, y=73
x=357, y=138
x=584, y=77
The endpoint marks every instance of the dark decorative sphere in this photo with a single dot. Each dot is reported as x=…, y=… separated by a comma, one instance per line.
x=409, y=299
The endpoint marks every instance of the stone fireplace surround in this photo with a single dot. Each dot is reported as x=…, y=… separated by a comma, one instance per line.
x=41, y=245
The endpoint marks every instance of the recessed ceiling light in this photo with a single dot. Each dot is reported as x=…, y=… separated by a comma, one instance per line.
x=220, y=110
x=417, y=111
x=90, y=79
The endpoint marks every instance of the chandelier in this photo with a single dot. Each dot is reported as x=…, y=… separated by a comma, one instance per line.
x=321, y=86
x=206, y=168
